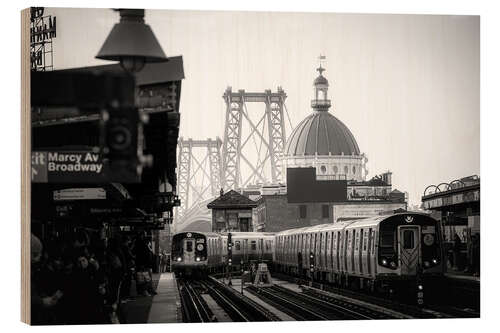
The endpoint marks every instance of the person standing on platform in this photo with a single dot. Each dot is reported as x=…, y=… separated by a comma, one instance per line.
x=144, y=261
x=160, y=262
x=128, y=266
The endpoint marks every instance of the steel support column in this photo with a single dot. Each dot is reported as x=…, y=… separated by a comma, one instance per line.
x=274, y=143
x=232, y=138
x=183, y=175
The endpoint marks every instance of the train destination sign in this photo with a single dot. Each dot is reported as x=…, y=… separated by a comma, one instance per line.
x=66, y=166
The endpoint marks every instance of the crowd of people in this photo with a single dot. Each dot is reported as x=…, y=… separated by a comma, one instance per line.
x=82, y=277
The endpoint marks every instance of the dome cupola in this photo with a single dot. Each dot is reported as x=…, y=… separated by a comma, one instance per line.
x=320, y=101
x=323, y=141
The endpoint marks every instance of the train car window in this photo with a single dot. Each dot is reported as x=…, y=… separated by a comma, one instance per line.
x=346, y=245
x=237, y=245
x=253, y=245
x=369, y=246
x=189, y=246
x=373, y=241
x=354, y=243
x=313, y=242
x=328, y=247
x=360, y=241
x=306, y=243
x=408, y=239
x=330, y=252
x=365, y=240
x=320, y=246
x=337, y=246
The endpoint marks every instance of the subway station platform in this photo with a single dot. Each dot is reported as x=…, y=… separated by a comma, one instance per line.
x=164, y=307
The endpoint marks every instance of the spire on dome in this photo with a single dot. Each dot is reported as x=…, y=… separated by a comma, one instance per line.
x=320, y=69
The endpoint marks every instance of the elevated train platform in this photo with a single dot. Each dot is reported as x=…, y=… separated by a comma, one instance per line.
x=164, y=307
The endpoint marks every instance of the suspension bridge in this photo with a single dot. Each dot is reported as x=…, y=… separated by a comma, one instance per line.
x=250, y=153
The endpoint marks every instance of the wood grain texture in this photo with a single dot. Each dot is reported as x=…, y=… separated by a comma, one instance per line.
x=25, y=169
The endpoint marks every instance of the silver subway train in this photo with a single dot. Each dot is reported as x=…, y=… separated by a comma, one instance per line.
x=207, y=252
x=196, y=252
x=367, y=253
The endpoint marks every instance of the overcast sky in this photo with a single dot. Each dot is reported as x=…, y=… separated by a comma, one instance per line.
x=407, y=86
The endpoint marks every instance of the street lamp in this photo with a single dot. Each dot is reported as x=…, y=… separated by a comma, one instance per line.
x=132, y=42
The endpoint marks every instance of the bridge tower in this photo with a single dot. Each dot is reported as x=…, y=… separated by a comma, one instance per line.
x=198, y=178
x=234, y=140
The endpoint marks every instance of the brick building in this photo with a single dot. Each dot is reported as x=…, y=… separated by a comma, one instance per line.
x=275, y=212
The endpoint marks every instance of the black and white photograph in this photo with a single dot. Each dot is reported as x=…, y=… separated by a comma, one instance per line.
x=209, y=166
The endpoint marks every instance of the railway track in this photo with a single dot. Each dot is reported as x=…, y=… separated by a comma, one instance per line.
x=426, y=312
x=194, y=307
x=303, y=306
x=238, y=307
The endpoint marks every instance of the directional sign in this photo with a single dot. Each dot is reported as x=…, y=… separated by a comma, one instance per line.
x=66, y=166
x=83, y=166
x=80, y=194
x=39, y=167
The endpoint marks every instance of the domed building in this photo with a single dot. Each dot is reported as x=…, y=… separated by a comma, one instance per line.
x=322, y=141
x=326, y=180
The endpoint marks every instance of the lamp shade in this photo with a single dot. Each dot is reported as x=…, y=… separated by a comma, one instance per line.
x=131, y=40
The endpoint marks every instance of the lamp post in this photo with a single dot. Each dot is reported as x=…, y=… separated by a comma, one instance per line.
x=132, y=42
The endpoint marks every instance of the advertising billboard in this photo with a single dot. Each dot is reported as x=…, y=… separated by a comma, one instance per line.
x=302, y=186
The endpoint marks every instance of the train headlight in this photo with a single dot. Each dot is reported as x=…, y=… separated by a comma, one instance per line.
x=426, y=264
x=179, y=259
x=384, y=262
x=230, y=260
x=420, y=287
x=434, y=261
x=198, y=259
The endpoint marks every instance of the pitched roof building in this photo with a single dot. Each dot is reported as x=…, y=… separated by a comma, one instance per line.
x=232, y=211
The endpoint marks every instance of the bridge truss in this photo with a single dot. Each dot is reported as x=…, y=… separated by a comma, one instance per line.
x=229, y=164
x=235, y=140
x=198, y=178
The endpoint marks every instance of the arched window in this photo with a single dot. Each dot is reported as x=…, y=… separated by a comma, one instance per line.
x=321, y=94
x=335, y=169
x=323, y=169
x=354, y=170
x=346, y=169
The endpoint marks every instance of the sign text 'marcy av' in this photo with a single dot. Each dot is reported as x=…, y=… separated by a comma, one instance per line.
x=71, y=166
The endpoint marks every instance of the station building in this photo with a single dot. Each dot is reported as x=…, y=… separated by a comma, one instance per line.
x=456, y=205
x=232, y=212
x=325, y=175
